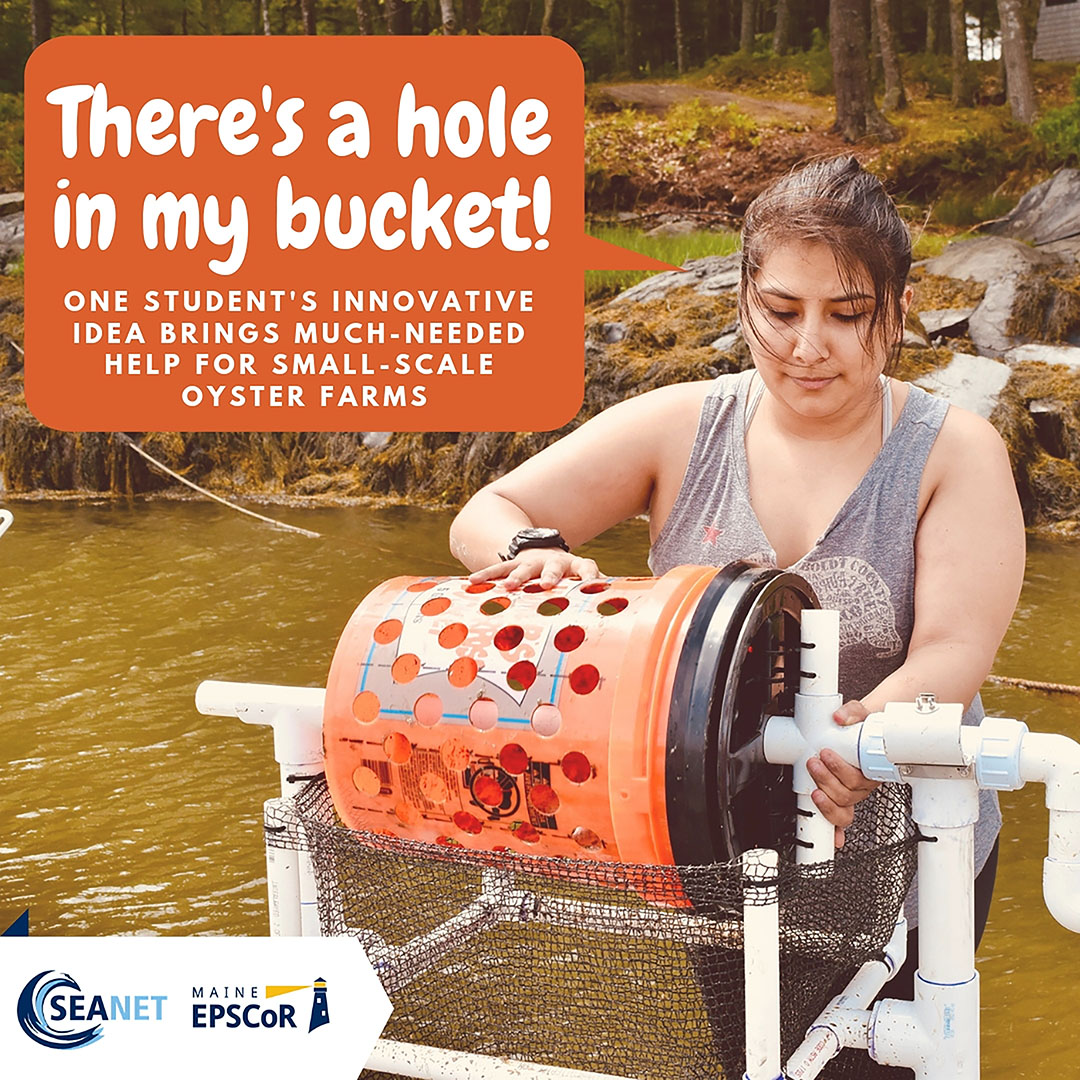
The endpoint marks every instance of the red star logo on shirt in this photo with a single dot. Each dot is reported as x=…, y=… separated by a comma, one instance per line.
x=711, y=535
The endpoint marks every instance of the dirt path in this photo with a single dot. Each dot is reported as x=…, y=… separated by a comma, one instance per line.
x=658, y=96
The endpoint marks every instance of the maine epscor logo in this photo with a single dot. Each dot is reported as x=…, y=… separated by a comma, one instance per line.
x=244, y=1006
x=54, y=1012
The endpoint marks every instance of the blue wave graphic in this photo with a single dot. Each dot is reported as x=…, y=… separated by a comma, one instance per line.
x=31, y=1013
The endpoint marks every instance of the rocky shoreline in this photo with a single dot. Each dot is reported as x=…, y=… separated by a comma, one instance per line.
x=994, y=327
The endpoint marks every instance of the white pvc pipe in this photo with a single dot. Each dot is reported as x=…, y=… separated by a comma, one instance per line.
x=818, y=698
x=282, y=879
x=1054, y=760
x=936, y=1035
x=846, y=1019
x=947, y=904
x=761, y=964
x=433, y=1063
x=820, y=657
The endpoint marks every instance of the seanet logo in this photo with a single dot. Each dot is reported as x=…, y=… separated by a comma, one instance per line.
x=54, y=1011
x=246, y=1007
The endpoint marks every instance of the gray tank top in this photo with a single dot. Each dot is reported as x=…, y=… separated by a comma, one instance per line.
x=863, y=565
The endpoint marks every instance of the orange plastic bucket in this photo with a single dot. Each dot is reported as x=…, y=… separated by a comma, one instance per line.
x=612, y=720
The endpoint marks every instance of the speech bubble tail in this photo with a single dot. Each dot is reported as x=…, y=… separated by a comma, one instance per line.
x=598, y=254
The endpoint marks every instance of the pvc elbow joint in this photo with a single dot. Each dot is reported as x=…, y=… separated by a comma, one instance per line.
x=1061, y=892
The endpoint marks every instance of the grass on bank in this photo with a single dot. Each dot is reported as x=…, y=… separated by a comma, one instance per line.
x=674, y=249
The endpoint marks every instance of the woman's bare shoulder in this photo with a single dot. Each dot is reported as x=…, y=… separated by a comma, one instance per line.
x=968, y=455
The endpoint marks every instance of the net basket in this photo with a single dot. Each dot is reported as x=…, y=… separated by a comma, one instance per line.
x=635, y=970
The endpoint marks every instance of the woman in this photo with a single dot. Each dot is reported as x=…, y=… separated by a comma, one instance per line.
x=900, y=510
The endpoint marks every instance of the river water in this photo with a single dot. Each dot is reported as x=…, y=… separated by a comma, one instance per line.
x=126, y=812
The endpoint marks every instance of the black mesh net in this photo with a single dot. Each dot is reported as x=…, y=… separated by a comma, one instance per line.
x=616, y=968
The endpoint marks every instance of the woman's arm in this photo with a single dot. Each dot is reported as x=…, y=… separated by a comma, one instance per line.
x=969, y=566
x=600, y=474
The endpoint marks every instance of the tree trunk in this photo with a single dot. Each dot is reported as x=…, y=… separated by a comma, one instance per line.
x=1014, y=51
x=363, y=17
x=895, y=98
x=630, y=35
x=933, y=15
x=680, y=38
x=307, y=15
x=545, y=23
x=781, y=38
x=875, y=48
x=264, y=16
x=398, y=16
x=446, y=9
x=856, y=113
x=746, y=32
x=961, y=80
x=40, y=21
x=471, y=15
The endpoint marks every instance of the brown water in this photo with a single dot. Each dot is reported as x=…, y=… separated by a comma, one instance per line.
x=126, y=812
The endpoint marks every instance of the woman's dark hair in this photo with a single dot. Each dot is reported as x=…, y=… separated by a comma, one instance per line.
x=839, y=204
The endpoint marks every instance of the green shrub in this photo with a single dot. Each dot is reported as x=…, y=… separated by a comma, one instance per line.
x=964, y=208
x=818, y=63
x=630, y=150
x=1059, y=130
x=931, y=71
x=975, y=162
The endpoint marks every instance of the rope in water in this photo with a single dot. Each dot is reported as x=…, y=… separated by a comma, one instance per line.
x=209, y=494
x=1032, y=684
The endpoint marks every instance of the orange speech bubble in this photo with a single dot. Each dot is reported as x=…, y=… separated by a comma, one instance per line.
x=267, y=234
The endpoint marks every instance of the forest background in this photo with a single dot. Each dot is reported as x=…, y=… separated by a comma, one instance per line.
x=692, y=106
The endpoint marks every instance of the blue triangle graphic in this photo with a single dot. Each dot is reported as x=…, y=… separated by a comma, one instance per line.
x=20, y=927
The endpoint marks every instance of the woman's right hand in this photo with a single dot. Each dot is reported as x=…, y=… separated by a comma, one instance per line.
x=549, y=565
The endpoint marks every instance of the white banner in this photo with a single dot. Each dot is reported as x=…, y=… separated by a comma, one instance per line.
x=203, y=1008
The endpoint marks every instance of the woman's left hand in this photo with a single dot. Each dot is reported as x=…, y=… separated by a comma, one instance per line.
x=840, y=786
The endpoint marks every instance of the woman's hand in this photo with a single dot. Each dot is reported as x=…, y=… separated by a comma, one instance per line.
x=550, y=565
x=840, y=786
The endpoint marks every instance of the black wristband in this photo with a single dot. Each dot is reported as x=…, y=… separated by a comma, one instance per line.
x=534, y=538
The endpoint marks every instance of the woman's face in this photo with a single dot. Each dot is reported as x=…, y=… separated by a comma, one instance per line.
x=808, y=332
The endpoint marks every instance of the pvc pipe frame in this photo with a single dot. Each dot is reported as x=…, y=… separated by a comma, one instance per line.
x=936, y=1034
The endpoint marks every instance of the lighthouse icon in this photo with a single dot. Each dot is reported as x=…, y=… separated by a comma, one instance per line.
x=320, y=1014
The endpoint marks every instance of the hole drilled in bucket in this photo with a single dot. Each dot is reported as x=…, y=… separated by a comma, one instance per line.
x=483, y=714
x=521, y=675
x=584, y=679
x=462, y=671
x=397, y=748
x=546, y=719
x=428, y=710
x=366, y=781
x=513, y=759
x=576, y=767
x=466, y=822
x=451, y=636
x=365, y=706
x=454, y=755
x=405, y=668
x=508, y=638
x=435, y=606
x=553, y=605
x=569, y=638
x=544, y=798
x=612, y=606
x=388, y=630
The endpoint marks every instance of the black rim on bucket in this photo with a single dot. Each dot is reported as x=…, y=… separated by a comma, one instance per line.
x=739, y=664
